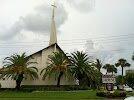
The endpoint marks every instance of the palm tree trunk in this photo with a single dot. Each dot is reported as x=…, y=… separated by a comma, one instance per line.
x=18, y=85
x=18, y=81
x=59, y=78
x=122, y=71
x=81, y=82
x=122, y=74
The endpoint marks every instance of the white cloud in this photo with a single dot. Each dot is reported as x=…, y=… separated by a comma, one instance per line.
x=36, y=22
x=82, y=5
x=105, y=55
x=110, y=18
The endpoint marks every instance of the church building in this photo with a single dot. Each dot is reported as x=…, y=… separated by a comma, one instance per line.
x=41, y=57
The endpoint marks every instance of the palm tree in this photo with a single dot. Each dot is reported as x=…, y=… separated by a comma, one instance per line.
x=133, y=57
x=81, y=68
x=16, y=67
x=110, y=68
x=58, y=65
x=98, y=64
x=123, y=63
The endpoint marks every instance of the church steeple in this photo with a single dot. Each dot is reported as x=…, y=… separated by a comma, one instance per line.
x=53, y=34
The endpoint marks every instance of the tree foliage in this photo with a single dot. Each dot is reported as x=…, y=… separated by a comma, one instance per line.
x=123, y=63
x=97, y=64
x=133, y=57
x=58, y=65
x=16, y=67
x=130, y=79
x=110, y=68
x=119, y=80
x=82, y=69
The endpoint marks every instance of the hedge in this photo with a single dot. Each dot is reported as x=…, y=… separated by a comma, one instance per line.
x=30, y=88
x=115, y=94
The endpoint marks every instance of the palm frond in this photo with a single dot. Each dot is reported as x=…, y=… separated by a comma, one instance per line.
x=57, y=62
x=16, y=65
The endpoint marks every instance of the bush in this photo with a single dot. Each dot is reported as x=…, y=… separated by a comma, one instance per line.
x=130, y=79
x=116, y=94
x=101, y=94
x=31, y=88
x=53, y=88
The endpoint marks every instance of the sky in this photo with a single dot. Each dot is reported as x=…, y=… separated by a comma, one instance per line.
x=102, y=28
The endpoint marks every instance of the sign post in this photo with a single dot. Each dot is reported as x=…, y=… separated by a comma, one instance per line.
x=109, y=80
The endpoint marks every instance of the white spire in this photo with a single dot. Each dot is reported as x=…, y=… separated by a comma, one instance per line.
x=53, y=34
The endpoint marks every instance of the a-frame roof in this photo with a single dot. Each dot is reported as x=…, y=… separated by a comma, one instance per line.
x=57, y=46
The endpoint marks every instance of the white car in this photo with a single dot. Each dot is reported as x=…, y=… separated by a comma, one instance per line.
x=127, y=88
x=129, y=98
x=115, y=87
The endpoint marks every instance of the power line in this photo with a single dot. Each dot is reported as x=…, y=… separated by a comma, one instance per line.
x=35, y=46
x=97, y=38
x=82, y=41
x=123, y=38
x=120, y=50
x=65, y=44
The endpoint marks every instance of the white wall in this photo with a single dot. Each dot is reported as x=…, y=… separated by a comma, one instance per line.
x=42, y=59
x=7, y=83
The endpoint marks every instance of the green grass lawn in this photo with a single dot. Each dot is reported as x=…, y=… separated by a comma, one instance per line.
x=57, y=95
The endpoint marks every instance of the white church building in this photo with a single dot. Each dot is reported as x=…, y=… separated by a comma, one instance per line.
x=41, y=57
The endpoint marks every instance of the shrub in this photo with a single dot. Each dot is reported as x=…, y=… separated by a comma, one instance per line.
x=31, y=88
x=130, y=79
x=101, y=94
x=53, y=87
x=116, y=94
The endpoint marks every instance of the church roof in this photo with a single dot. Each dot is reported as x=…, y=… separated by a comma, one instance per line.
x=57, y=46
x=53, y=35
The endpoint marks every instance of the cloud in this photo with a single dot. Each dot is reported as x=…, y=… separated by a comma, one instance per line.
x=40, y=21
x=6, y=33
x=98, y=53
x=36, y=22
x=82, y=5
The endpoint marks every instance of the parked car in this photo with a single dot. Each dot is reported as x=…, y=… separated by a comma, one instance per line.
x=127, y=88
x=115, y=87
x=120, y=87
x=129, y=98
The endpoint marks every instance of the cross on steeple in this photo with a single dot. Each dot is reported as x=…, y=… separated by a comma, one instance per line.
x=54, y=6
x=53, y=35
